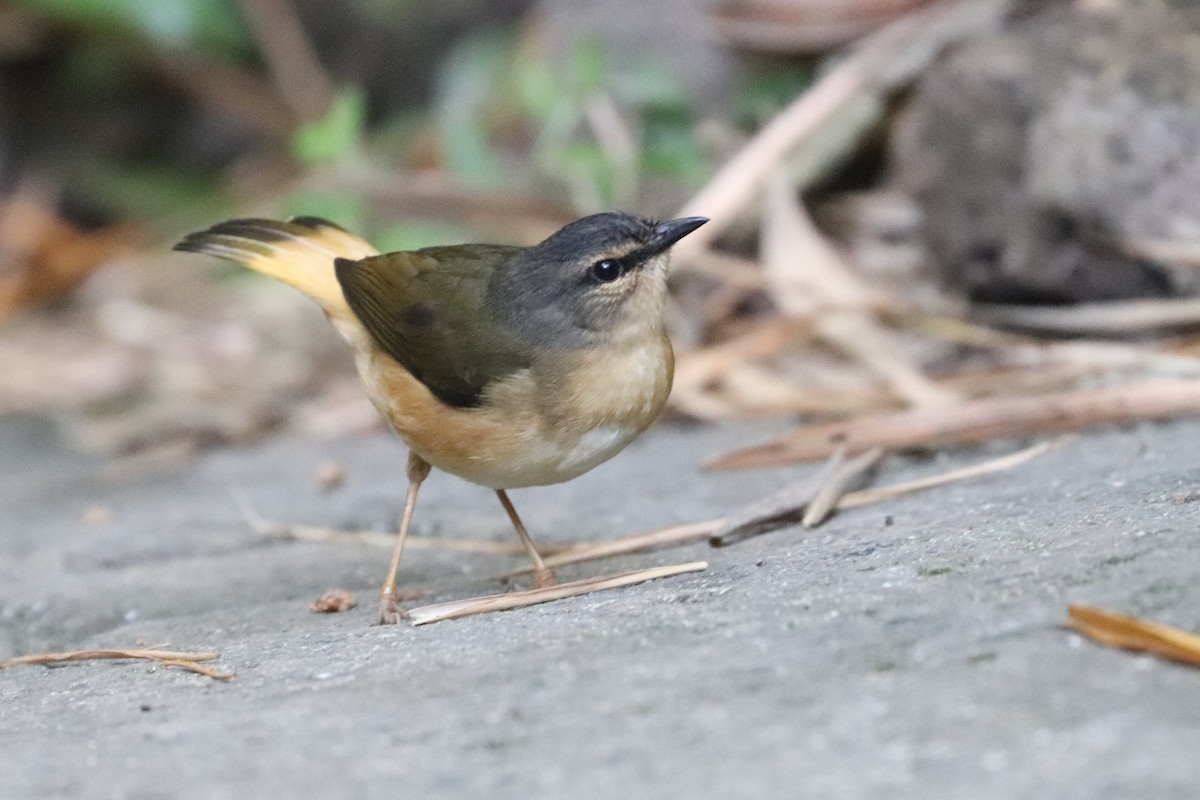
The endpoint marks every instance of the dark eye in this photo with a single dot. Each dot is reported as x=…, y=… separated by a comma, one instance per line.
x=606, y=271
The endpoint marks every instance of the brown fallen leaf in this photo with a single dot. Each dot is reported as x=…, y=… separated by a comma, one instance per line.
x=43, y=257
x=1138, y=635
x=333, y=602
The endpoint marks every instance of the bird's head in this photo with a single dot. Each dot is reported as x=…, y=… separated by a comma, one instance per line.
x=599, y=278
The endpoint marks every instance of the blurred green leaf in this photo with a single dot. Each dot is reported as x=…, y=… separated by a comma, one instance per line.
x=671, y=151
x=591, y=172
x=467, y=88
x=148, y=191
x=417, y=233
x=537, y=87
x=764, y=92
x=343, y=208
x=211, y=25
x=336, y=134
x=650, y=86
x=588, y=65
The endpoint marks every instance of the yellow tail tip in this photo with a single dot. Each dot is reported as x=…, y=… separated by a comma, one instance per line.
x=300, y=252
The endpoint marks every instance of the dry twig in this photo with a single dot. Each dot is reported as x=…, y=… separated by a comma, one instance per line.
x=864, y=497
x=289, y=54
x=322, y=535
x=806, y=273
x=1112, y=318
x=975, y=421
x=504, y=602
x=199, y=669
x=837, y=484
x=779, y=508
x=786, y=506
x=653, y=540
x=883, y=61
x=1176, y=252
x=167, y=658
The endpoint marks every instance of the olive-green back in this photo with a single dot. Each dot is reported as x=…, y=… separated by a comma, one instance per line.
x=428, y=309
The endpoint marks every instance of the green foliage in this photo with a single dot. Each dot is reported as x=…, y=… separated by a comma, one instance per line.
x=338, y=134
x=466, y=87
x=210, y=25
x=334, y=139
x=149, y=192
x=767, y=90
x=414, y=234
x=595, y=130
x=346, y=209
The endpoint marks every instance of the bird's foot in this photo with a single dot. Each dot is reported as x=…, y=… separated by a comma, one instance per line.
x=390, y=611
x=544, y=579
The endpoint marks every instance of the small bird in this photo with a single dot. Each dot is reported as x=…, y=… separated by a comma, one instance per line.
x=506, y=366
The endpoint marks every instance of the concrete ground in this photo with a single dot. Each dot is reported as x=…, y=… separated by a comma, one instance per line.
x=909, y=649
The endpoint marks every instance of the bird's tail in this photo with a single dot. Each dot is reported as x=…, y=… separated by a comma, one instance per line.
x=299, y=252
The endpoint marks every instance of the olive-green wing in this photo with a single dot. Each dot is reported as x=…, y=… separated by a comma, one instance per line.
x=428, y=310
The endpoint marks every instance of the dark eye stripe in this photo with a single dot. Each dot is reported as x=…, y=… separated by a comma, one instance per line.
x=631, y=261
x=627, y=263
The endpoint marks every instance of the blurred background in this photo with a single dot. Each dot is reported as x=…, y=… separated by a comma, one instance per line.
x=914, y=203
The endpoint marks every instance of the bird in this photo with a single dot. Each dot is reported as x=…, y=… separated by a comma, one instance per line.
x=506, y=366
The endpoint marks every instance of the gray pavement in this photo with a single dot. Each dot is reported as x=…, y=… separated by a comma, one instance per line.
x=910, y=649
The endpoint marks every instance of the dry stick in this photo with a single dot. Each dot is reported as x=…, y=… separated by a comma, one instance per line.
x=757, y=390
x=695, y=370
x=975, y=421
x=674, y=536
x=1114, y=318
x=1027, y=351
x=170, y=658
x=1177, y=252
x=310, y=533
x=504, y=602
x=641, y=542
x=864, y=497
x=777, y=509
x=199, y=669
x=290, y=56
x=842, y=479
x=805, y=272
x=322, y=535
x=1131, y=633
x=883, y=61
x=781, y=508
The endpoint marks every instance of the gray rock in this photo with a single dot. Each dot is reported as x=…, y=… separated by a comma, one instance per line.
x=1040, y=153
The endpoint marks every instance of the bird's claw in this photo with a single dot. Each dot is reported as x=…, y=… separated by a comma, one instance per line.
x=390, y=612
